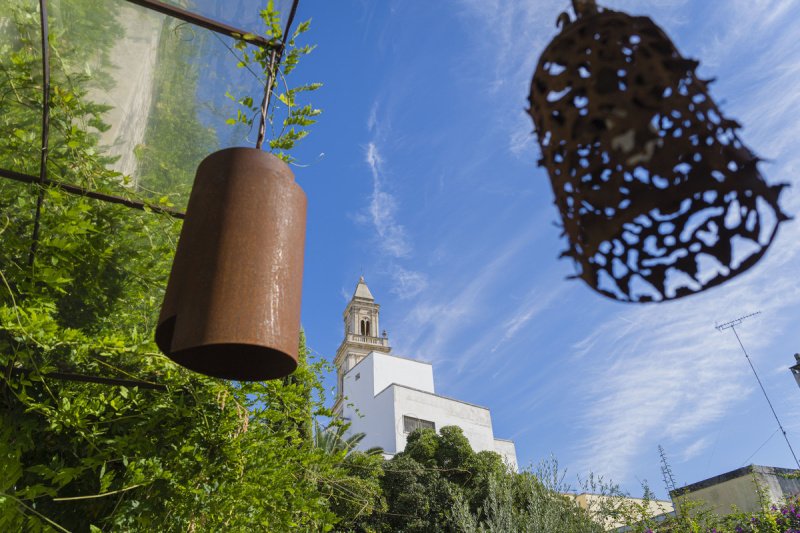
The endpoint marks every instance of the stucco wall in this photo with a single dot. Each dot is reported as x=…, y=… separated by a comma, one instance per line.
x=740, y=489
x=600, y=505
x=739, y=492
x=391, y=369
x=476, y=422
x=381, y=389
x=508, y=451
x=373, y=416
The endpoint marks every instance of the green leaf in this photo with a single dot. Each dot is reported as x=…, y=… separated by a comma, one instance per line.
x=287, y=99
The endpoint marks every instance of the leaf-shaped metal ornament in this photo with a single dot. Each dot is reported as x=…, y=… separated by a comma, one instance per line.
x=658, y=195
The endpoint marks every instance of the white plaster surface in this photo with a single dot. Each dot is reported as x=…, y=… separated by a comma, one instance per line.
x=377, y=390
x=508, y=451
x=722, y=495
x=382, y=389
x=401, y=371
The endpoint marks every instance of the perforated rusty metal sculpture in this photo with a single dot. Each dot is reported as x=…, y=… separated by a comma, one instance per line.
x=659, y=197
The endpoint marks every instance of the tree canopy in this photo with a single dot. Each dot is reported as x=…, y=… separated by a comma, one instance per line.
x=182, y=451
x=166, y=449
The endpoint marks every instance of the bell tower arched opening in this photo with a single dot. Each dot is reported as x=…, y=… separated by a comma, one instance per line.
x=361, y=330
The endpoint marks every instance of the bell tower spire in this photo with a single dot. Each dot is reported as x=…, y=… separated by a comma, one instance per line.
x=361, y=335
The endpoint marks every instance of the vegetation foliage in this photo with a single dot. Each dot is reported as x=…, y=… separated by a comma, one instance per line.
x=203, y=454
x=193, y=453
x=287, y=119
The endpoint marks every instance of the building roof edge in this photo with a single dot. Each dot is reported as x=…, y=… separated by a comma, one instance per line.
x=431, y=394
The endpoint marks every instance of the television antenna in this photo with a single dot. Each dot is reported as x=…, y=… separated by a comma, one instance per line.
x=732, y=326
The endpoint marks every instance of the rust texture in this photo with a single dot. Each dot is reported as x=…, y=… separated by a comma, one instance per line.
x=658, y=196
x=232, y=304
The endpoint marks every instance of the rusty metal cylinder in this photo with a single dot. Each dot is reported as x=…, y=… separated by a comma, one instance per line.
x=232, y=304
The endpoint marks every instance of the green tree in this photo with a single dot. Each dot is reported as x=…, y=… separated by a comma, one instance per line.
x=333, y=440
x=356, y=496
x=439, y=483
x=202, y=454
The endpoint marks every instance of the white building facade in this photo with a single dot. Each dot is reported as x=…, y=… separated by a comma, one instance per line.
x=386, y=397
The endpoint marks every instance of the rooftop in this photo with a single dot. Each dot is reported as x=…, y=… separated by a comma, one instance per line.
x=733, y=474
x=362, y=291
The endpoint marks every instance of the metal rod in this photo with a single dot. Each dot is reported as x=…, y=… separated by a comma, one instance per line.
x=68, y=376
x=274, y=64
x=81, y=191
x=205, y=22
x=45, y=128
x=262, y=124
x=736, y=322
x=153, y=5
x=733, y=328
x=584, y=7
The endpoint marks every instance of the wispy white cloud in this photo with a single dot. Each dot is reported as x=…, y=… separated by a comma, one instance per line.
x=521, y=141
x=696, y=448
x=408, y=283
x=391, y=236
x=434, y=322
x=457, y=307
x=764, y=17
x=536, y=302
x=515, y=31
x=518, y=32
x=663, y=372
x=673, y=374
x=372, y=119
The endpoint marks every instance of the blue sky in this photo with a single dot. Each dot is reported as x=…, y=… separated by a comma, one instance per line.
x=422, y=175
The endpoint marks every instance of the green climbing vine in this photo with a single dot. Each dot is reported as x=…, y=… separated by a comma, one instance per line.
x=287, y=119
x=181, y=451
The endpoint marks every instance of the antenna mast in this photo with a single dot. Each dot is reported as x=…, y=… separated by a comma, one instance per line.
x=732, y=326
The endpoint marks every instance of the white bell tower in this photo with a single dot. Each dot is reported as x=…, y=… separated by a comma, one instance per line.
x=361, y=335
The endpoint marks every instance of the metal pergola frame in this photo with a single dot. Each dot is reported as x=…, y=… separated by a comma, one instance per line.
x=276, y=45
x=153, y=5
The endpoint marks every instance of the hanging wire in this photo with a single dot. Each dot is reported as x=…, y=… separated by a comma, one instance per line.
x=203, y=22
x=758, y=449
x=82, y=191
x=72, y=376
x=274, y=64
x=733, y=328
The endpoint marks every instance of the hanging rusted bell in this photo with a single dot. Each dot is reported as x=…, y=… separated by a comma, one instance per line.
x=658, y=196
x=232, y=305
